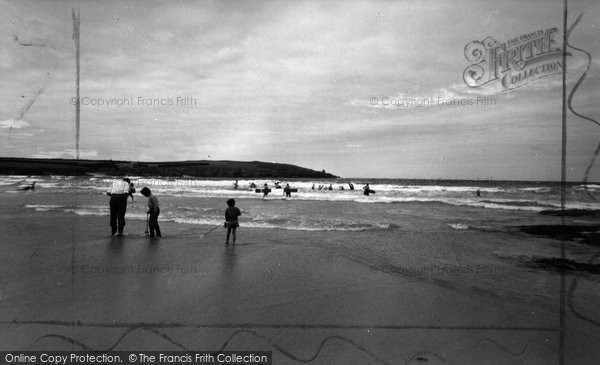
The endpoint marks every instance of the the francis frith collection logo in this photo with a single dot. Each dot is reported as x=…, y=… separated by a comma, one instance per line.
x=515, y=62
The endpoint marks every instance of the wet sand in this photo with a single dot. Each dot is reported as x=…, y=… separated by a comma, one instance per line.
x=323, y=297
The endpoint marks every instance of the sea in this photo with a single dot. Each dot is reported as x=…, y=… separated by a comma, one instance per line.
x=396, y=204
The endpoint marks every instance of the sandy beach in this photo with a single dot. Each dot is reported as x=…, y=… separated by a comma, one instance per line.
x=327, y=297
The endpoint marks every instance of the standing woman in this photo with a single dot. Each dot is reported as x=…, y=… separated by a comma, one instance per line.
x=119, y=191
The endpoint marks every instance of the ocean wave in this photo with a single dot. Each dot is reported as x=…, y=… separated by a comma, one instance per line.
x=589, y=187
x=458, y=226
x=521, y=203
x=13, y=180
x=254, y=222
x=508, y=197
x=43, y=207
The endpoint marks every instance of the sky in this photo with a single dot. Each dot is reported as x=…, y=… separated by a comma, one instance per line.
x=320, y=84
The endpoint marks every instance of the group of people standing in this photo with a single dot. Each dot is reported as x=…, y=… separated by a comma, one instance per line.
x=341, y=187
x=121, y=190
x=119, y=193
x=287, y=190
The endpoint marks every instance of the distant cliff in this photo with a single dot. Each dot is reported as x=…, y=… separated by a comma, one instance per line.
x=202, y=168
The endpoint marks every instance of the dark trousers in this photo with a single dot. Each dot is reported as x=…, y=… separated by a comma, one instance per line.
x=153, y=224
x=118, y=207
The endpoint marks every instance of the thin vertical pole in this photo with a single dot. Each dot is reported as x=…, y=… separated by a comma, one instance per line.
x=77, y=100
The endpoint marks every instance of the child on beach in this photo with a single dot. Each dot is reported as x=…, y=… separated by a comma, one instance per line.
x=153, y=210
x=231, y=219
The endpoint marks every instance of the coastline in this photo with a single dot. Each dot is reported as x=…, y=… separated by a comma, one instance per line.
x=196, y=168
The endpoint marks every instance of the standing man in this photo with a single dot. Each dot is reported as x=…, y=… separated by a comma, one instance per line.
x=119, y=191
x=287, y=191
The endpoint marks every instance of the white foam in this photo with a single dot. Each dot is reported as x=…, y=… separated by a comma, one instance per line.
x=589, y=187
x=458, y=226
x=43, y=207
x=12, y=180
x=522, y=198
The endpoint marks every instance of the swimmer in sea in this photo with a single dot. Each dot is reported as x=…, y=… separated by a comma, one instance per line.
x=29, y=187
x=287, y=191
